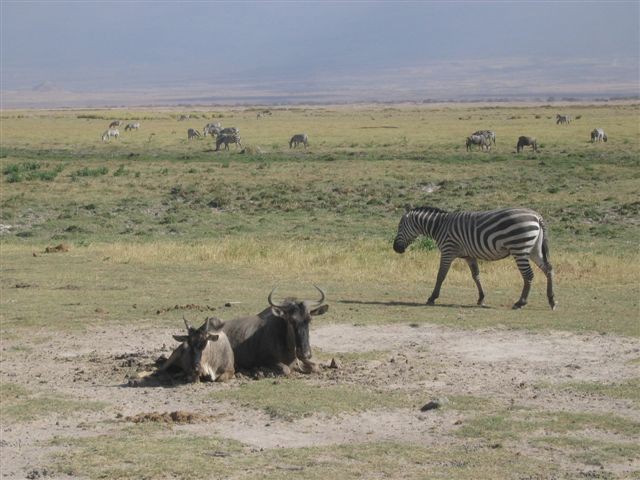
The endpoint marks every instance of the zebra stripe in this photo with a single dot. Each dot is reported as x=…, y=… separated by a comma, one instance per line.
x=489, y=235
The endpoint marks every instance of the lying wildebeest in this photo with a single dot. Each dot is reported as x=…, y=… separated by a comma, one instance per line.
x=526, y=142
x=480, y=140
x=192, y=133
x=277, y=336
x=132, y=126
x=204, y=353
x=598, y=135
x=299, y=138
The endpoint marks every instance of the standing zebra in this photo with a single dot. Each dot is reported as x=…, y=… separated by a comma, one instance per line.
x=192, y=133
x=598, y=135
x=487, y=133
x=480, y=140
x=489, y=235
x=226, y=139
x=563, y=119
x=299, y=138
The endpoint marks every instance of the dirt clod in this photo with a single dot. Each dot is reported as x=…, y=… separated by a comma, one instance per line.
x=177, y=416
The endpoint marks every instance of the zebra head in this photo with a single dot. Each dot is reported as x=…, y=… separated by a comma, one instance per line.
x=406, y=233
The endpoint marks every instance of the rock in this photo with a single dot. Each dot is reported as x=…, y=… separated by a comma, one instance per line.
x=431, y=405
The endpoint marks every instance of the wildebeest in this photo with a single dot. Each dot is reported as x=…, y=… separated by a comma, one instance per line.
x=132, y=126
x=526, y=142
x=110, y=133
x=277, y=336
x=480, y=140
x=299, y=138
x=598, y=135
x=487, y=133
x=115, y=123
x=226, y=139
x=563, y=119
x=192, y=133
x=204, y=353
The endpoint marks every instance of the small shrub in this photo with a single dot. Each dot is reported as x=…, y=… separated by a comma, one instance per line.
x=121, y=171
x=91, y=172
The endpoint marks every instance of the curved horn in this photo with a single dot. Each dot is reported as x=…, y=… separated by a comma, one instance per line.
x=186, y=323
x=321, y=301
x=269, y=299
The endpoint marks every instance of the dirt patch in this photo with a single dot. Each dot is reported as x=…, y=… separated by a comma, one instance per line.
x=503, y=367
x=179, y=417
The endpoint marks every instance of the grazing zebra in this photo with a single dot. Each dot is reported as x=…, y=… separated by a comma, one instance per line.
x=299, y=138
x=487, y=133
x=226, y=139
x=527, y=142
x=192, y=133
x=598, y=135
x=563, y=119
x=489, y=235
x=480, y=140
x=132, y=126
x=115, y=123
x=109, y=134
x=211, y=129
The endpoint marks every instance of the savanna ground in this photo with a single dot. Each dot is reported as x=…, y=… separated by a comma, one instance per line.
x=154, y=227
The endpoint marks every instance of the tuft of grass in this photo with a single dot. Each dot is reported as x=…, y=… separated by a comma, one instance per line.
x=290, y=399
x=628, y=390
x=596, y=453
x=18, y=404
x=90, y=172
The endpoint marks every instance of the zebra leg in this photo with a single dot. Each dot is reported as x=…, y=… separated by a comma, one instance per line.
x=547, y=269
x=475, y=274
x=527, y=276
x=445, y=263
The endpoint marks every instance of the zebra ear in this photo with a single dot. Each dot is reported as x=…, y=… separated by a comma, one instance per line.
x=407, y=208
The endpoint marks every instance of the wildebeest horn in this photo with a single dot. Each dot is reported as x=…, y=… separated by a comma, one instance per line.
x=186, y=323
x=269, y=299
x=321, y=301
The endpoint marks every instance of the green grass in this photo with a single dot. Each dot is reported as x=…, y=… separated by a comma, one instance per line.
x=18, y=404
x=291, y=399
x=141, y=454
x=629, y=390
x=596, y=453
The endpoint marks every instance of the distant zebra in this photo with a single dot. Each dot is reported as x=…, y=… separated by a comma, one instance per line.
x=298, y=139
x=109, y=134
x=598, y=135
x=211, y=129
x=132, y=126
x=480, y=140
x=487, y=133
x=115, y=123
x=490, y=235
x=183, y=118
x=192, y=133
x=526, y=142
x=226, y=139
x=563, y=119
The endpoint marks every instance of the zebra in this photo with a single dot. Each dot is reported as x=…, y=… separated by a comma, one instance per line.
x=192, y=133
x=487, y=133
x=228, y=138
x=132, y=126
x=598, y=135
x=526, y=142
x=489, y=235
x=480, y=140
x=211, y=129
x=115, y=123
x=299, y=138
x=563, y=119
x=183, y=118
x=109, y=133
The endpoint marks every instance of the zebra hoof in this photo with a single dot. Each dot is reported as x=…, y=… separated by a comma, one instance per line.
x=518, y=306
x=431, y=303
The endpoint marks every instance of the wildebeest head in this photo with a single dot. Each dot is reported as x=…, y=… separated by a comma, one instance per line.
x=298, y=314
x=197, y=340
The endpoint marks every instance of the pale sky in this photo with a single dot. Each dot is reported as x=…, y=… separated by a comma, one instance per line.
x=89, y=45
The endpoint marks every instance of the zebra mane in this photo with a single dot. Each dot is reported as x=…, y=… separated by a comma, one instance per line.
x=427, y=209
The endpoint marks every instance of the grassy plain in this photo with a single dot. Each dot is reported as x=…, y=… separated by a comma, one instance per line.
x=154, y=221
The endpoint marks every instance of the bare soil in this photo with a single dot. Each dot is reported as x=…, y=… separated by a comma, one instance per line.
x=432, y=362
